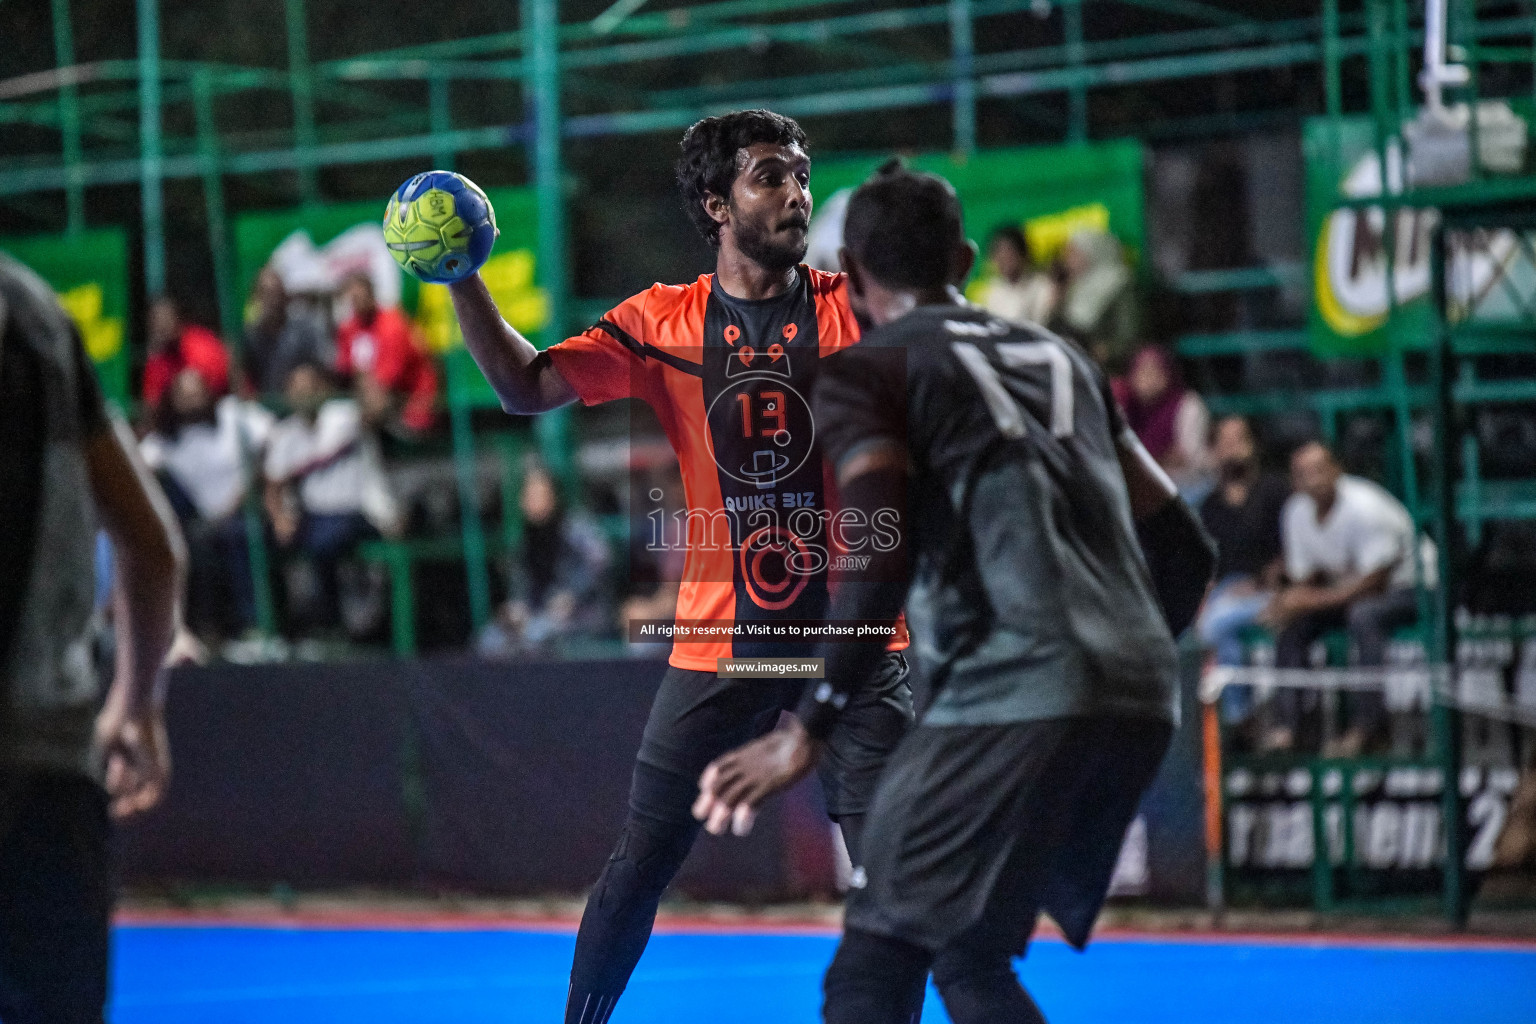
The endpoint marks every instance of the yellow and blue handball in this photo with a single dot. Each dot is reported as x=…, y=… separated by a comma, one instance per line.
x=440, y=227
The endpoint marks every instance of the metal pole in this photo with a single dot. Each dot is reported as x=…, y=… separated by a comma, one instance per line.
x=1332, y=89
x=213, y=197
x=962, y=46
x=1077, y=93
x=69, y=119
x=440, y=118
x=1445, y=719
x=542, y=85
x=1402, y=58
x=301, y=84
x=151, y=200
x=229, y=324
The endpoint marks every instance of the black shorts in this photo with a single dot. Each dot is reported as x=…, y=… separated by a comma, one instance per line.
x=698, y=716
x=975, y=829
x=55, y=899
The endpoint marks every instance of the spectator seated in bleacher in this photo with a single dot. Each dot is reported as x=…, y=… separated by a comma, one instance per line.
x=175, y=346
x=650, y=588
x=199, y=449
x=557, y=581
x=1350, y=563
x=1022, y=292
x=321, y=487
x=378, y=350
x=1098, y=305
x=280, y=335
x=1169, y=418
x=1242, y=514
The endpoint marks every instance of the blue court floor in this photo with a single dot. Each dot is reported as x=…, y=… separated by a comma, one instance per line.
x=185, y=973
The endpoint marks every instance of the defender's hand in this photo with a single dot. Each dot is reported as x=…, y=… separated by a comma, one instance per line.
x=735, y=784
x=138, y=757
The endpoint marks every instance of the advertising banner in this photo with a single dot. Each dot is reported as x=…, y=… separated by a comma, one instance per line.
x=1355, y=250
x=1049, y=192
x=89, y=271
x=314, y=249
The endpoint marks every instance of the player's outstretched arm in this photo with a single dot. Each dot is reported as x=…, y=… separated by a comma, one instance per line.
x=735, y=785
x=525, y=383
x=1179, y=553
x=147, y=586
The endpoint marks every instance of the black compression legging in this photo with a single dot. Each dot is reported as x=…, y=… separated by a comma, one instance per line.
x=621, y=912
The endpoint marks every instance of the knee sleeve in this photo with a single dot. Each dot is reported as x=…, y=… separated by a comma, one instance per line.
x=875, y=980
x=644, y=861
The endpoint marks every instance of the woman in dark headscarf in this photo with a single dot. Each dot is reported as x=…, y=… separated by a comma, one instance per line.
x=556, y=585
x=1169, y=418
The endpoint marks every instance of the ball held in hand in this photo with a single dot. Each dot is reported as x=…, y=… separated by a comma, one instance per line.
x=440, y=226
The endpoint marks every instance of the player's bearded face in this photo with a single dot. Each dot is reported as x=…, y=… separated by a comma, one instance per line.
x=774, y=239
x=770, y=205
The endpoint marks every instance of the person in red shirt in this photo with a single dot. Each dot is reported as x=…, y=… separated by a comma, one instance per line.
x=175, y=346
x=395, y=379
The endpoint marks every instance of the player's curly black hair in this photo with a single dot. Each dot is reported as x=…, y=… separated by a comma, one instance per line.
x=708, y=161
x=903, y=226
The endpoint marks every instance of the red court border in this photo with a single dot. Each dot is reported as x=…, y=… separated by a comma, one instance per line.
x=686, y=924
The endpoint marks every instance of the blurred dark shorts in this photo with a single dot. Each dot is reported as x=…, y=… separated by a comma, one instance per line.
x=55, y=898
x=976, y=829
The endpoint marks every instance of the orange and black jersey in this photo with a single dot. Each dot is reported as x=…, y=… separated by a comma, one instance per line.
x=730, y=381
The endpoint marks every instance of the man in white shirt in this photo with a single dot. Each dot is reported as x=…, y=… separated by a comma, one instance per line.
x=316, y=478
x=1349, y=558
x=1021, y=293
x=199, y=450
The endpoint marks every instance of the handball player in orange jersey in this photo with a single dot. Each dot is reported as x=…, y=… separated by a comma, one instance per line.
x=726, y=362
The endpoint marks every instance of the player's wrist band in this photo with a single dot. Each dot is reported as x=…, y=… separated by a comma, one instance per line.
x=819, y=709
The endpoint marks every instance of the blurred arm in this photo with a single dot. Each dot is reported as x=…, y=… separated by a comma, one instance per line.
x=1180, y=554
x=151, y=561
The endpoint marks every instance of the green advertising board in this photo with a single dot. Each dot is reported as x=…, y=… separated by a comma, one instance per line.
x=89, y=272
x=1049, y=192
x=509, y=273
x=1349, y=245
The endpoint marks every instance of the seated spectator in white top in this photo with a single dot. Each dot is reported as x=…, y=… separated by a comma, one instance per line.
x=1350, y=562
x=202, y=450
x=1021, y=293
x=316, y=480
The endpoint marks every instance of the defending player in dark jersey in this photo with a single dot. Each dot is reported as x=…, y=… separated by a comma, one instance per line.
x=1035, y=621
x=727, y=363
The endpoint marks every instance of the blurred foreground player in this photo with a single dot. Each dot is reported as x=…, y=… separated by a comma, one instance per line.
x=67, y=761
x=1034, y=617
x=727, y=363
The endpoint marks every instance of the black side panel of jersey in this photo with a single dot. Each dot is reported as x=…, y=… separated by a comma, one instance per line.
x=23, y=425
x=760, y=361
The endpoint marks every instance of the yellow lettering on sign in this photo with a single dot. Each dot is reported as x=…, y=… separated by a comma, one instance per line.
x=510, y=278
x=1047, y=234
x=103, y=335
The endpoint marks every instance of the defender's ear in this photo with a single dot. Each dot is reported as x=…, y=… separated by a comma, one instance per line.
x=852, y=269
x=961, y=262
